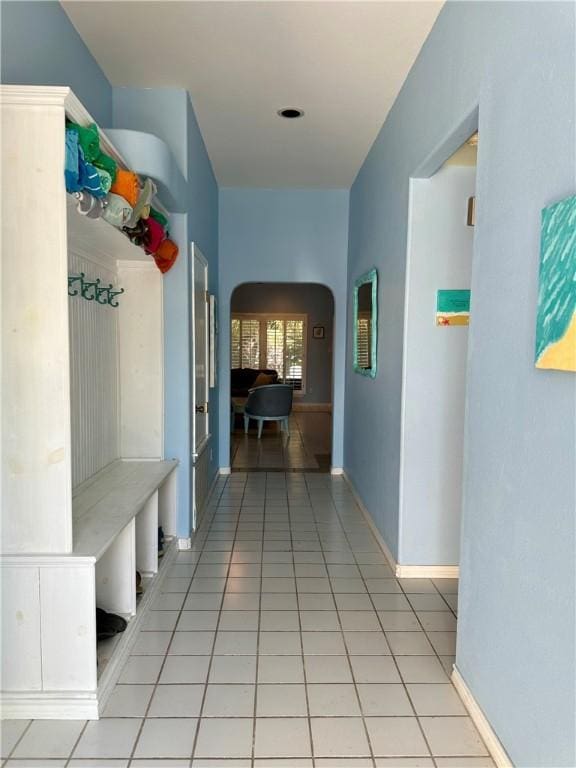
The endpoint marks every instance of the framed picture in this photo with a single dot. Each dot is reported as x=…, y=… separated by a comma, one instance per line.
x=318, y=332
x=213, y=333
x=556, y=317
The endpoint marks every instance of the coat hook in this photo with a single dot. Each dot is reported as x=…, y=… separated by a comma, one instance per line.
x=71, y=280
x=100, y=291
x=111, y=295
x=86, y=289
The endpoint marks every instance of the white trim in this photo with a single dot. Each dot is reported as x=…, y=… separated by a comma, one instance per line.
x=427, y=571
x=225, y=470
x=404, y=366
x=372, y=525
x=184, y=544
x=42, y=706
x=402, y=571
x=57, y=96
x=336, y=471
x=201, y=448
x=24, y=560
x=493, y=744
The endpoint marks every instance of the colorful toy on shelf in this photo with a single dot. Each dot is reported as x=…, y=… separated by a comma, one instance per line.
x=103, y=190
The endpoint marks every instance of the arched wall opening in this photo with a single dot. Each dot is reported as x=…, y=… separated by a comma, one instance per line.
x=285, y=331
x=319, y=393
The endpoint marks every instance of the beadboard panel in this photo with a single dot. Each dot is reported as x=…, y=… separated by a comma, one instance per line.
x=94, y=389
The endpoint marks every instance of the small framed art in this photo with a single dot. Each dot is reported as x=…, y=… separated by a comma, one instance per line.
x=318, y=332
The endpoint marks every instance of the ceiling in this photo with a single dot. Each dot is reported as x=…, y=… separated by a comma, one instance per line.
x=343, y=63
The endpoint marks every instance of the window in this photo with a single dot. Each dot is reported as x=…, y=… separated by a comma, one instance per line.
x=277, y=342
x=363, y=331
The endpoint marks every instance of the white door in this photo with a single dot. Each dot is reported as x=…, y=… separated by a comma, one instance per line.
x=200, y=421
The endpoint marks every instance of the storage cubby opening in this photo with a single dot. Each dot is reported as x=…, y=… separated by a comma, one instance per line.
x=167, y=506
x=147, y=538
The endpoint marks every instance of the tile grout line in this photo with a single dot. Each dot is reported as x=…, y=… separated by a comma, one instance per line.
x=369, y=741
x=257, y=660
x=163, y=664
x=297, y=593
x=435, y=654
x=402, y=681
x=206, y=682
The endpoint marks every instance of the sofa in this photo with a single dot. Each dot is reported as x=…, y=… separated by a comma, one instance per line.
x=243, y=379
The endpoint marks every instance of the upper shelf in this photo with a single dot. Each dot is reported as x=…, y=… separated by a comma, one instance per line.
x=149, y=156
x=96, y=236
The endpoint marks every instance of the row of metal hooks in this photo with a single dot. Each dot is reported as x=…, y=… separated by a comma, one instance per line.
x=91, y=290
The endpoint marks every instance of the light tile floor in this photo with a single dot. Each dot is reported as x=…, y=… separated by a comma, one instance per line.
x=281, y=639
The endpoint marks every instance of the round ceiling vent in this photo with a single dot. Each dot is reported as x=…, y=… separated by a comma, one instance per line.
x=290, y=113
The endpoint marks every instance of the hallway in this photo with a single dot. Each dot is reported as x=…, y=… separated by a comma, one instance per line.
x=281, y=638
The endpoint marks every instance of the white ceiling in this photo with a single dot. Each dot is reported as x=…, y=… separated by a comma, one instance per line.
x=343, y=63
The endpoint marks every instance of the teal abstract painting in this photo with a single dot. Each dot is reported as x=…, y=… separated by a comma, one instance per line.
x=556, y=319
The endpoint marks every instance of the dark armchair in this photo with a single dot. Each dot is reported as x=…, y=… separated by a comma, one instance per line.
x=272, y=402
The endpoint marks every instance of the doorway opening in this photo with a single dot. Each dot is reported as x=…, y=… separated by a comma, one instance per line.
x=437, y=314
x=281, y=347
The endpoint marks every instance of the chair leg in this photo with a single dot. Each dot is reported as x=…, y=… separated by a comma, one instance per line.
x=246, y=423
x=286, y=428
x=260, y=425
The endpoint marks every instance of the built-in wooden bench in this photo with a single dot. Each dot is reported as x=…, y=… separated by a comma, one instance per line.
x=107, y=502
x=116, y=515
x=85, y=383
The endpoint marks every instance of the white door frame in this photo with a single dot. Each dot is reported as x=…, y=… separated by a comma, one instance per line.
x=197, y=450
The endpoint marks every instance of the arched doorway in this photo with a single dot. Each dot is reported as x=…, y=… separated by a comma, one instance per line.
x=282, y=333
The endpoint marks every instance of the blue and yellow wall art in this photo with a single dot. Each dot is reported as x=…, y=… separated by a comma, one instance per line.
x=556, y=320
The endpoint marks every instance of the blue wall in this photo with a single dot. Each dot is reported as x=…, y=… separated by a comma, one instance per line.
x=41, y=47
x=515, y=62
x=288, y=236
x=168, y=113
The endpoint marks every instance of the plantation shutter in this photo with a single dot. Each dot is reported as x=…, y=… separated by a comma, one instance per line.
x=363, y=342
x=275, y=343
x=236, y=352
x=294, y=353
x=275, y=346
x=250, y=343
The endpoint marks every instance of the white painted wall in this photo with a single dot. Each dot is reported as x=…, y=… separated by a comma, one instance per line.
x=434, y=377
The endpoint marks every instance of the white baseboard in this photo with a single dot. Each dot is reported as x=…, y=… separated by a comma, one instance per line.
x=311, y=407
x=184, y=544
x=402, y=571
x=371, y=524
x=427, y=571
x=497, y=751
x=336, y=471
x=225, y=471
x=42, y=706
